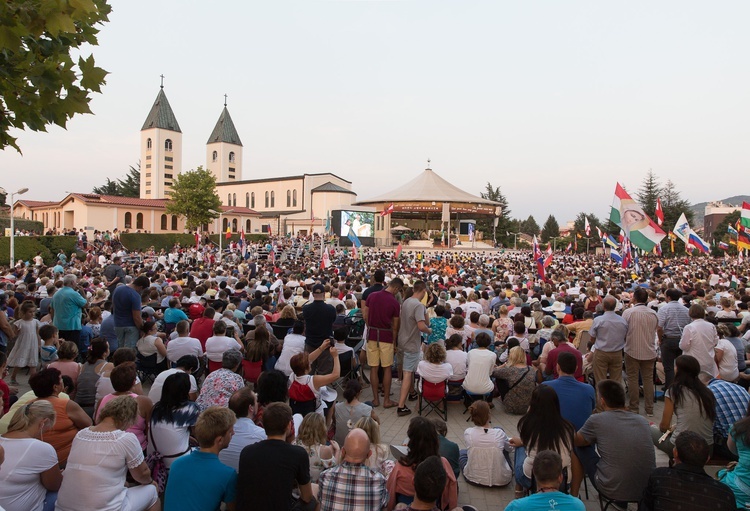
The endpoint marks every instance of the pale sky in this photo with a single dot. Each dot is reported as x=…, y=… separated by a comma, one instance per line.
x=552, y=101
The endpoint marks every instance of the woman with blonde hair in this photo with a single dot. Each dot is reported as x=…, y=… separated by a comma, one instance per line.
x=516, y=382
x=378, y=459
x=313, y=437
x=101, y=457
x=503, y=325
x=30, y=474
x=486, y=459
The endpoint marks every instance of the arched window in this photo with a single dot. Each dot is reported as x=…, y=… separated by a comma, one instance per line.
x=247, y=200
x=247, y=226
x=139, y=221
x=288, y=198
x=294, y=198
x=273, y=199
x=164, y=222
x=234, y=199
x=252, y=200
x=128, y=220
x=234, y=225
x=224, y=224
x=148, y=143
x=168, y=144
x=174, y=222
x=267, y=196
x=214, y=156
x=231, y=157
x=229, y=199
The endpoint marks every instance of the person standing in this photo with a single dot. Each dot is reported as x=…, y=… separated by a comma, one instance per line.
x=699, y=340
x=319, y=318
x=673, y=317
x=413, y=322
x=608, y=333
x=640, y=350
x=126, y=309
x=382, y=316
x=114, y=274
x=68, y=304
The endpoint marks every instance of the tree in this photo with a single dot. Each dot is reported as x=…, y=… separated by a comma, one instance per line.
x=530, y=227
x=551, y=229
x=648, y=193
x=41, y=84
x=194, y=197
x=673, y=206
x=108, y=188
x=721, y=233
x=503, y=223
x=580, y=224
x=130, y=186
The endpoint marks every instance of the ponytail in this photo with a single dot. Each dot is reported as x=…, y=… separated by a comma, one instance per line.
x=32, y=412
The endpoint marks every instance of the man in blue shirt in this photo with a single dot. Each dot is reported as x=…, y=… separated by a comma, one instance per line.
x=548, y=474
x=199, y=481
x=126, y=308
x=67, y=305
x=577, y=400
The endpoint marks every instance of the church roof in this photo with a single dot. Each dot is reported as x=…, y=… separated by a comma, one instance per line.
x=224, y=131
x=161, y=115
x=428, y=186
x=331, y=187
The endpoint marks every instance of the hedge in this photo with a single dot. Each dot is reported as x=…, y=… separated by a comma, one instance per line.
x=21, y=224
x=26, y=247
x=143, y=241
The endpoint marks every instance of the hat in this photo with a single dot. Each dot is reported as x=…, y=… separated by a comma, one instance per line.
x=558, y=306
x=318, y=288
x=300, y=290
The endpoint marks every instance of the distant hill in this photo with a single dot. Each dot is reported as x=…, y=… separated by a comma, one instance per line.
x=700, y=208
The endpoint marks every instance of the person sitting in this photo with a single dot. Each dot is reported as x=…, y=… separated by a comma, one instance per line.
x=352, y=484
x=480, y=362
x=219, y=343
x=31, y=474
x=260, y=349
x=617, y=472
x=347, y=413
x=732, y=402
x=378, y=459
x=434, y=367
x=96, y=359
x=294, y=343
x=100, y=458
x=548, y=472
x=685, y=486
x=430, y=477
x=516, y=381
x=151, y=343
x=312, y=436
x=219, y=386
x=485, y=461
x=738, y=478
x=123, y=377
x=187, y=364
x=183, y=345
x=104, y=385
x=66, y=363
x=559, y=339
x=448, y=449
x=199, y=481
x=456, y=325
x=304, y=387
x=456, y=357
x=271, y=388
x=244, y=405
x=577, y=399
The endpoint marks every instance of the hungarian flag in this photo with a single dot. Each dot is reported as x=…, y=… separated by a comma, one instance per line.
x=659, y=212
x=399, y=248
x=745, y=215
x=387, y=211
x=642, y=232
x=539, y=258
x=586, y=226
x=229, y=232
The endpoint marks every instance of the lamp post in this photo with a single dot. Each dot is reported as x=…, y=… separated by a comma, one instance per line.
x=221, y=214
x=13, y=227
x=515, y=239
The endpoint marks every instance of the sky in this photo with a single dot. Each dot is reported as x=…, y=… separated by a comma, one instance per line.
x=554, y=102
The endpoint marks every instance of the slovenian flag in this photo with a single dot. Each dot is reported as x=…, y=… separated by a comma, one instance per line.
x=723, y=246
x=698, y=242
x=643, y=232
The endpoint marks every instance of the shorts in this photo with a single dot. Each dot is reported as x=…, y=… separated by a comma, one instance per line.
x=140, y=497
x=409, y=361
x=379, y=354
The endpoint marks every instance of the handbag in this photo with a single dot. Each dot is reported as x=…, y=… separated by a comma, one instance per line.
x=155, y=463
x=502, y=385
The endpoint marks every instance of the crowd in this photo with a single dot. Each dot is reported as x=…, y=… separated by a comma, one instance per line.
x=184, y=379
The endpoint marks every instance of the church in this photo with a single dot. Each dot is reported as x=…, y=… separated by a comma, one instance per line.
x=297, y=204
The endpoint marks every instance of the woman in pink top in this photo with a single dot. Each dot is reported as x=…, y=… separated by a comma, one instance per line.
x=66, y=362
x=123, y=379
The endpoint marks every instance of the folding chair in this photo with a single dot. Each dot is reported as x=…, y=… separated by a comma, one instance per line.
x=146, y=367
x=433, y=396
x=251, y=370
x=469, y=398
x=605, y=502
x=347, y=373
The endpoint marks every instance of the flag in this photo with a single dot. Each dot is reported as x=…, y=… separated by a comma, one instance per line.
x=659, y=213
x=642, y=232
x=626, y=254
x=570, y=245
x=539, y=258
x=548, y=258
x=599, y=232
x=471, y=232
x=745, y=215
x=657, y=249
x=743, y=238
x=399, y=248
x=197, y=240
x=229, y=232
x=354, y=238
x=672, y=237
x=615, y=255
x=611, y=241
x=242, y=242
x=698, y=242
x=387, y=211
x=586, y=226
x=578, y=235
x=682, y=229
x=354, y=251
x=270, y=232
x=325, y=261
x=723, y=246
x=731, y=230
x=575, y=243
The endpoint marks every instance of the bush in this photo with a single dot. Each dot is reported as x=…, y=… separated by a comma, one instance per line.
x=250, y=238
x=143, y=241
x=21, y=224
x=26, y=247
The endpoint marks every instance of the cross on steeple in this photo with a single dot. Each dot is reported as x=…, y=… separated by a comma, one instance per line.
x=428, y=163
x=225, y=100
x=162, y=81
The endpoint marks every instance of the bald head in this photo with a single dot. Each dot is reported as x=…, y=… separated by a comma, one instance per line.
x=356, y=446
x=609, y=303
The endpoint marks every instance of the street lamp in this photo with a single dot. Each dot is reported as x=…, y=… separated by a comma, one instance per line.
x=12, y=226
x=515, y=239
x=220, y=213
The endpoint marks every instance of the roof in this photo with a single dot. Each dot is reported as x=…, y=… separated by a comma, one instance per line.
x=331, y=187
x=224, y=131
x=281, y=178
x=161, y=115
x=37, y=203
x=238, y=210
x=115, y=200
x=428, y=186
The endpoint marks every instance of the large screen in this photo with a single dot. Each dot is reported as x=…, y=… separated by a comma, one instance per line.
x=361, y=223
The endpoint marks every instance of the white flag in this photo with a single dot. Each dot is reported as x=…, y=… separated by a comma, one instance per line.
x=682, y=229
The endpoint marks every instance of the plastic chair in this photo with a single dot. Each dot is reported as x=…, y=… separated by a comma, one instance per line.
x=433, y=397
x=213, y=366
x=251, y=370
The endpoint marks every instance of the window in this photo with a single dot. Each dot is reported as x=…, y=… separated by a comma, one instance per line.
x=252, y=200
x=168, y=167
x=267, y=198
x=214, y=156
x=229, y=199
x=234, y=225
x=174, y=222
x=148, y=174
x=167, y=176
x=148, y=183
x=168, y=158
x=164, y=222
x=231, y=157
x=234, y=199
x=167, y=183
x=247, y=200
x=128, y=220
x=148, y=165
x=168, y=144
x=148, y=156
x=288, y=198
x=247, y=225
x=148, y=192
x=231, y=169
x=225, y=223
x=294, y=198
x=139, y=221
x=230, y=177
x=148, y=145
x=273, y=199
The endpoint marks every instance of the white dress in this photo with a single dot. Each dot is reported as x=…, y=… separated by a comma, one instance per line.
x=25, y=353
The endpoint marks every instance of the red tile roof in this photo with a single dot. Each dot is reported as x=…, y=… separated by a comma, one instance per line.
x=240, y=211
x=38, y=203
x=93, y=198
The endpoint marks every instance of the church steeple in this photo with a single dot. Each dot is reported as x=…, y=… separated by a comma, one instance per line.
x=161, y=149
x=224, y=149
x=161, y=115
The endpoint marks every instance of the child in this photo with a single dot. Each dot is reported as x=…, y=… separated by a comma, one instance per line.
x=50, y=343
x=95, y=321
x=25, y=353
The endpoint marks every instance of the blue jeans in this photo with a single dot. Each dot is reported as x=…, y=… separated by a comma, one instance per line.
x=127, y=336
x=49, y=501
x=521, y=478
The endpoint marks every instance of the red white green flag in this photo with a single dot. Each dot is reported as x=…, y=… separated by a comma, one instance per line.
x=745, y=215
x=643, y=232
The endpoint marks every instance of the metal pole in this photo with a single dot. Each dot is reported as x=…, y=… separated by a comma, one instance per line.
x=515, y=241
x=220, y=233
x=12, y=234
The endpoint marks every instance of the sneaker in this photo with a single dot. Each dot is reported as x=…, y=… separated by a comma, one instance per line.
x=649, y=415
x=413, y=396
x=403, y=411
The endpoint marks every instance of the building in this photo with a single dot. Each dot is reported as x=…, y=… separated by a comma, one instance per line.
x=713, y=215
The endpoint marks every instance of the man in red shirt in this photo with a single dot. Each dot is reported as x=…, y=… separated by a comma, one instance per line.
x=382, y=316
x=562, y=344
x=203, y=327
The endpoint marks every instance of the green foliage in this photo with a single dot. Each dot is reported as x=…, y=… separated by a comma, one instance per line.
x=722, y=234
x=673, y=206
x=194, y=196
x=579, y=225
x=551, y=229
x=648, y=193
x=529, y=226
x=486, y=225
x=40, y=84
x=21, y=224
x=143, y=241
x=26, y=247
x=249, y=238
x=130, y=186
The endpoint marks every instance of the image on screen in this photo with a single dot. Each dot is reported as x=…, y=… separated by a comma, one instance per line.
x=362, y=224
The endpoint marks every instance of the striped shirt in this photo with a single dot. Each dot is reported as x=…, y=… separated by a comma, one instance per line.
x=731, y=405
x=352, y=486
x=673, y=317
x=640, y=341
